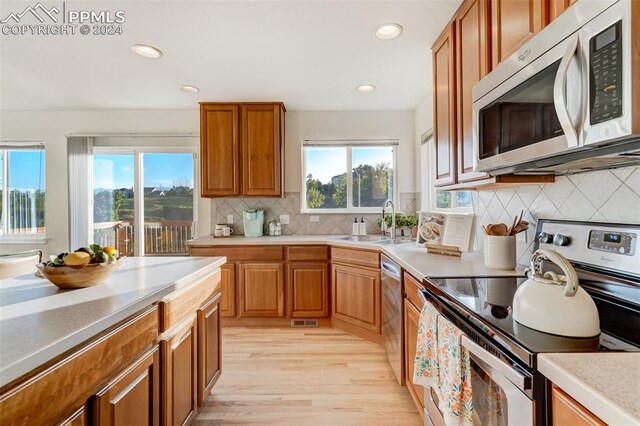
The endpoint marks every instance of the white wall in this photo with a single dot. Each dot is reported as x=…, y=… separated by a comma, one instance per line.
x=53, y=126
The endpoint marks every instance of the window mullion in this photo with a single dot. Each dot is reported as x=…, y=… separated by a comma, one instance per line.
x=138, y=204
x=5, y=192
x=349, y=179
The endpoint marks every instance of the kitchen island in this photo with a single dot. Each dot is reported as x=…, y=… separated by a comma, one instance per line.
x=100, y=351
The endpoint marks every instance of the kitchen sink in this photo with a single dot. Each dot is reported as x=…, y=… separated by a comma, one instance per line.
x=376, y=239
x=395, y=241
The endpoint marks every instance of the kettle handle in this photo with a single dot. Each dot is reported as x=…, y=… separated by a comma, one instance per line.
x=571, y=287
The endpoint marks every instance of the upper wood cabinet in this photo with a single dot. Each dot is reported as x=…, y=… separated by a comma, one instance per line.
x=242, y=149
x=444, y=104
x=514, y=22
x=556, y=7
x=473, y=63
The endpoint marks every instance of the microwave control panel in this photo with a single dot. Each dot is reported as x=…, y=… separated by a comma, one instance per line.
x=605, y=63
x=613, y=242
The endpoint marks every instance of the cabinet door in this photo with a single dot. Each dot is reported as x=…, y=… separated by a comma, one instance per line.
x=219, y=150
x=261, y=289
x=228, y=287
x=513, y=23
x=78, y=418
x=567, y=411
x=209, y=346
x=179, y=381
x=556, y=7
x=355, y=296
x=308, y=289
x=444, y=106
x=262, y=149
x=411, y=319
x=473, y=61
x=132, y=398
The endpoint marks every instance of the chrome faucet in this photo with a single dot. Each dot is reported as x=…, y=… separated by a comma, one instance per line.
x=393, y=218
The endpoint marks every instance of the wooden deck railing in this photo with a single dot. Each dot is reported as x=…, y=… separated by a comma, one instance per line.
x=160, y=238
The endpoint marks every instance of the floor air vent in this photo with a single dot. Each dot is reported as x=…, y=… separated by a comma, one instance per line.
x=304, y=323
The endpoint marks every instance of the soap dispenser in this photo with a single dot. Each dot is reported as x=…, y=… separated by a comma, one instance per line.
x=362, y=228
x=355, y=228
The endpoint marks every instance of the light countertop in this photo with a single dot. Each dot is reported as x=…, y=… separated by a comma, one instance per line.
x=606, y=383
x=413, y=258
x=38, y=321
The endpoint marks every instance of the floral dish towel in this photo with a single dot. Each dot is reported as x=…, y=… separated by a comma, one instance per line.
x=425, y=370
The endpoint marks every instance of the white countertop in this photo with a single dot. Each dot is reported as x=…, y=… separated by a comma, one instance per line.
x=39, y=321
x=410, y=256
x=606, y=383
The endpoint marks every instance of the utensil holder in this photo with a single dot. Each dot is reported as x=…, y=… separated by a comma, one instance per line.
x=500, y=252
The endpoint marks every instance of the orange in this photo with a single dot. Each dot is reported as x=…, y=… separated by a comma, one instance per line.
x=109, y=250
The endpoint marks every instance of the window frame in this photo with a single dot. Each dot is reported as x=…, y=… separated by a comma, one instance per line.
x=138, y=183
x=13, y=238
x=349, y=145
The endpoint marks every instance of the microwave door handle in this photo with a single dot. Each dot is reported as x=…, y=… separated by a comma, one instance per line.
x=560, y=97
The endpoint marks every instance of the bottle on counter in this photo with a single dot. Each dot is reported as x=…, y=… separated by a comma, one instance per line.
x=362, y=227
x=355, y=228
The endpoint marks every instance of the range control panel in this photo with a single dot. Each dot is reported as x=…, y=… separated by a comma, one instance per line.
x=605, y=63
x=613, y=242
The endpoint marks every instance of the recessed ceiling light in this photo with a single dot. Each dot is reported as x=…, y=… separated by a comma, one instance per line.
x=146, y=51
x=388, y=31
x=186, y=88
x=366, y=88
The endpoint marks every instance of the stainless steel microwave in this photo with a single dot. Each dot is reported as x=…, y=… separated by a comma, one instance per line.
x=566, y=96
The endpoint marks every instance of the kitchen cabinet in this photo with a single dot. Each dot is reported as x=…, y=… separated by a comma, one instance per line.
x=179, y=373
x=209, y=346
x=307, y=289
x=411, y=320
x=242, y=149
x=78, y=418
x=133, y=397
x=513, y=23
x=567, y=411
x=556, y=7
x=261, y=289
x=444, y=102
x=228, y=288
x=356, y=299
x=473, y=63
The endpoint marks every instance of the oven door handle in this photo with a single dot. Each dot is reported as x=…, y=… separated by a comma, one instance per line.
x=559, y=93
x=476, y=351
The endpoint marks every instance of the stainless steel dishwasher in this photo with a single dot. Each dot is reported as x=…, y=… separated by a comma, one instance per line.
x=392, y=315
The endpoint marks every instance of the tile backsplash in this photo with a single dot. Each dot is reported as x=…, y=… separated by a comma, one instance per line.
x=299, y=224
x=603, y=196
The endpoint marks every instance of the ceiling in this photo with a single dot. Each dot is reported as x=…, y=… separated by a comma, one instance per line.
x=309, y=54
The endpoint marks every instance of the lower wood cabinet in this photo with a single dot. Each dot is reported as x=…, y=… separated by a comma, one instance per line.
x=411, y=320
x=78, y=418
x=228, y=287
x=261, y=289
x=307, y=289
x=179, y=355
x=133, y=397
x=209, y=346
x=355, y=296
x=567, y=411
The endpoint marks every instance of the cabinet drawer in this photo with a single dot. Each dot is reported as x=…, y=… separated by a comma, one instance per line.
x=242, y=253
x=411, y=289
x=179, y=305
x=307, y=253
x=357, y=257
x=67, y=383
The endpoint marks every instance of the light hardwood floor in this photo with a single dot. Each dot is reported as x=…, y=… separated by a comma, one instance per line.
x=305, y=376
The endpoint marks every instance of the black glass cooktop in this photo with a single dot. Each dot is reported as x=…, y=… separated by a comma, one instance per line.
x=487, y=304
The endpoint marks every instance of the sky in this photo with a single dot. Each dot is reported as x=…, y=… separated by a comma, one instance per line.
x=325, y=162
x=26, y=170
x=160, y=170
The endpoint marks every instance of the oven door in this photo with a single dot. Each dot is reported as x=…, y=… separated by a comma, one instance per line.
x=497, y=388
x=536, y=113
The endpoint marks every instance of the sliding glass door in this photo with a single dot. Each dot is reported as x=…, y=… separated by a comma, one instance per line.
x=143, y=200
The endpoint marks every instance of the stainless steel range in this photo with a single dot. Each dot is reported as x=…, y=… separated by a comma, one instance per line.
x=503, y=352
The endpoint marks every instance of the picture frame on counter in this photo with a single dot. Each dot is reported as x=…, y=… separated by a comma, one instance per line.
x=449, y=229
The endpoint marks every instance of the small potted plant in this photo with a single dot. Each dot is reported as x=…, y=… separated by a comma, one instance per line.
x=406, y=224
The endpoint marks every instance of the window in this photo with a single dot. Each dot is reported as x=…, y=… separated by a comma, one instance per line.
x=154, y=215
x=454, y=200
x=349, y=176
x=22, y=190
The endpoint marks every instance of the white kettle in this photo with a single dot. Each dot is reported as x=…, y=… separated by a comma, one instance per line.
x=555, y=303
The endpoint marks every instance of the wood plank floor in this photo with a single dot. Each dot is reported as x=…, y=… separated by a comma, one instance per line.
x=305, y=376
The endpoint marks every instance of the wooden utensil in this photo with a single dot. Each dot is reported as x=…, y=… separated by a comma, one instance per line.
x=498, y=229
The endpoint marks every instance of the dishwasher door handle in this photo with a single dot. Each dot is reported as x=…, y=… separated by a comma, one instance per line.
x=390, y=269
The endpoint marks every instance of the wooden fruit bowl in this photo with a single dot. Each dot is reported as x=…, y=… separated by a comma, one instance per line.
x=70, y=277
